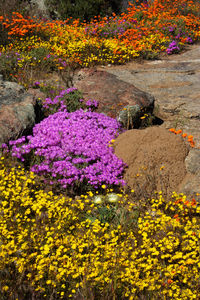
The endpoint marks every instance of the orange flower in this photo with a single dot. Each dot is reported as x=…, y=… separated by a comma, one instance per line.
x=179, y=131
x=192, y=144
x=169, y=281
x=178, y=201
x=176, y=217
x=190, y=137
x=193, y=202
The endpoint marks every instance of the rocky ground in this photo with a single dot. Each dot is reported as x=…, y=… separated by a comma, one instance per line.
x=174, y=81
x=170, y=84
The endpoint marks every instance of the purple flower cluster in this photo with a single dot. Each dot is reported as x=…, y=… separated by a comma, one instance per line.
x=177, y=33
x=115, y=28
x=92, y=104
x=74, y=147
x=59, y=99
x=62, y=63
x=36, y=84
x=189, y=40
x=173, y=48
x=171, y=28
x=70, y=100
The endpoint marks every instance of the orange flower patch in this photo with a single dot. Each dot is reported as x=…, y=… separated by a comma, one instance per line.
x=184, y=135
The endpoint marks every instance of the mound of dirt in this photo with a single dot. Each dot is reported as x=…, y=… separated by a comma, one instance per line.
x=155, y=159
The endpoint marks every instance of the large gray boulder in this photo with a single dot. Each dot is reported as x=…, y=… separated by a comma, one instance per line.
x=18, y=110
x=117, y=98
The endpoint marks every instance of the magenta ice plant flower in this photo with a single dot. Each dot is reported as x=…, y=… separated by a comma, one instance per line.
x=74, y=147
x=92, y=104
x=173, y=47
x=59, y=99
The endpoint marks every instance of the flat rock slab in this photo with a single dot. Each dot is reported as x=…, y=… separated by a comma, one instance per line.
x=174, y=81
x=116, y=97
x=17, y=110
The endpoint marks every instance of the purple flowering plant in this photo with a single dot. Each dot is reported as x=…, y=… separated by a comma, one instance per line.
x=173, y=47
x=73, y=148
x=111, y=28
x=189, y=40
x=70, y=99
x=177, y=32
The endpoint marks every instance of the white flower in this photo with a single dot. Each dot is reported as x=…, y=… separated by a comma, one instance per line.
x=112, y=197
x=98, y=199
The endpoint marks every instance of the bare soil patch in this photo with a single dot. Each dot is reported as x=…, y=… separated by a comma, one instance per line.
x=155, y=159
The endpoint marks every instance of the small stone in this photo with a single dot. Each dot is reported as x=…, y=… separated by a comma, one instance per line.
x=191, y=186
x=192, y=162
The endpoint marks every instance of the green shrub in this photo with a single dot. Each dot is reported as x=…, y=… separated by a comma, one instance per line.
x=82, y=9
x=3, y=36
x=8, y=65
x=7, y=7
